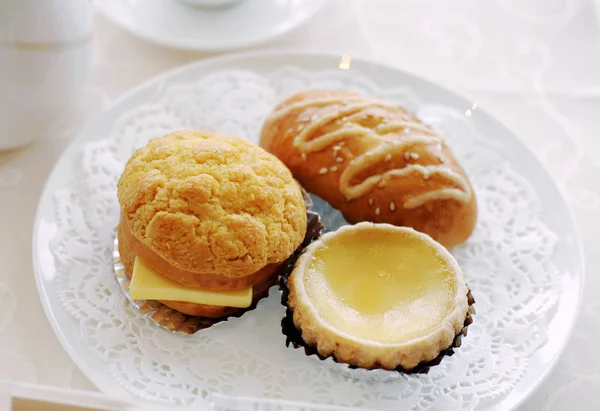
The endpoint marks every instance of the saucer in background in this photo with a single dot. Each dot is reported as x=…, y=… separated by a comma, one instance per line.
x=176, y=24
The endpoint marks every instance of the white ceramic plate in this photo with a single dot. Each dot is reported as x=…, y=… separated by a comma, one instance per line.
x=173, y=23
x=523, y=263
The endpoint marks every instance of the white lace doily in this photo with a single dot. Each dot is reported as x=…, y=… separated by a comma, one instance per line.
x=507, y=263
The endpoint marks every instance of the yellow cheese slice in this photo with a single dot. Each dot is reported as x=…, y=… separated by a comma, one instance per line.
x=147, y=284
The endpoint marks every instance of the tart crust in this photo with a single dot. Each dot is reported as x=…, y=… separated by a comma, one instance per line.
x=371, y=354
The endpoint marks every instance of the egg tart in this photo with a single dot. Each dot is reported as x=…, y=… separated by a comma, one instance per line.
x=377, y=296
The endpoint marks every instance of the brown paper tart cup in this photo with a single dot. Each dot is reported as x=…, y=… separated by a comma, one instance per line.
x=176, y=321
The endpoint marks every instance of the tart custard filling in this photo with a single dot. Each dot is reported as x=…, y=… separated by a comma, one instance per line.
x=380, y=286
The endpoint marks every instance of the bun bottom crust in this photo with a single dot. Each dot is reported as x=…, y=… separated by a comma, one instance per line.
x=260, y=290
x=446, y=221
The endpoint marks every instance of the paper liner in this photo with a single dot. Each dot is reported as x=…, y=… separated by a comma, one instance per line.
x=333, y=220
x=294, y=337
x=176, y=321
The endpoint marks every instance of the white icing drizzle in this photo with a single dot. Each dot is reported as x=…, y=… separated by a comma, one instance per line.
x=413, y=133
x=320, y=102
x=400, y=126
x=441, y=194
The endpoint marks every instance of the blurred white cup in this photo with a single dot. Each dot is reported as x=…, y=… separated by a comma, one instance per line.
x=45, y=62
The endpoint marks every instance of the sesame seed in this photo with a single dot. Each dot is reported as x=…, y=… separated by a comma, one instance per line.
x=392, y=206
x=333, y=168
x=370, y=201
x=303, y=156
x=339, y=159
x=388, y=157
x=377, y=211
x=407, y=156
x=323, y=170
x=414, y=156
x=337, y=148
x=342, y=143
x=300, y=127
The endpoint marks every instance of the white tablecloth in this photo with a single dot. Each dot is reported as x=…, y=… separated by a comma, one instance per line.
x=535, y=63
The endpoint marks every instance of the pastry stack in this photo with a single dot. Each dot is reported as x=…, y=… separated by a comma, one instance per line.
x=210, y=222
x=207, y=222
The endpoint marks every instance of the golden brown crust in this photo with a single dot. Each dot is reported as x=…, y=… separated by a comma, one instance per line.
x=208, y=203
x=447, y=220
x=260, y=290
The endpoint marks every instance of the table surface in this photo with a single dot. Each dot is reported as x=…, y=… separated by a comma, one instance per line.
x=534, y=63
